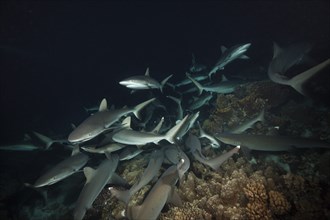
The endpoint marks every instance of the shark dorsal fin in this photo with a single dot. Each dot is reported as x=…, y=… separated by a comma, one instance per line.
x=147, y=72
x=193, y=60
x=277, y=50
x=223, y=49
x=103, y=105
x=223, y=78
x=89, y=173
x=127, y=122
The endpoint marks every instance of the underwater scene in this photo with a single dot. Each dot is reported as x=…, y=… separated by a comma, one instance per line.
x=173, y=110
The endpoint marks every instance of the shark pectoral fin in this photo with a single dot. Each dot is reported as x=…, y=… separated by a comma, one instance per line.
x=244, y=57
x=89, y=173
x=174, y=198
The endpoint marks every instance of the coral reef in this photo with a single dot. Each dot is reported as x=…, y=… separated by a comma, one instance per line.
x=293, y=185
x=278, y=203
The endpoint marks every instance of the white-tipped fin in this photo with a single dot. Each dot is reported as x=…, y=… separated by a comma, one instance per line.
x=103, y=105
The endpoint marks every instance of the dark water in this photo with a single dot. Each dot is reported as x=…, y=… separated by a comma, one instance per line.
x=57, y=58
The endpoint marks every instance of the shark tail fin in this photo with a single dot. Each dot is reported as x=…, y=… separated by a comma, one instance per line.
x=164, y=82
x=44, y=139
x=178, y=101
x=298, y=81
x=139, y=107
x=197, y=84
x=170, y=136
x=123, y=196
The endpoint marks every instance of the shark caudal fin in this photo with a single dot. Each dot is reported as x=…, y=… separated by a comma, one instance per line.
x=164, y=82
x=298, y=81
x=139, y=107
x=197, y=84
x=171, y=135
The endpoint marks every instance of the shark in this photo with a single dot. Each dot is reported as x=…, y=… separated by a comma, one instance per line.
x=189, y=123
x=196, y=67
x=194, y=144
x=129, y=152
x=203, y=134
x=178, y=102
x=228, y=55
x=107, y=148
x=140, y=82
x=197, y=77
x=270, y=143
x=102, y=120
x=62, y=170
x=154, y=165
x=284, y=59
x=224, y=87
x=248, y=123
x=95, y=182
x=161, y=193
x=200, y=101
x=173, y=154
x=20, y=147
x=132, y=137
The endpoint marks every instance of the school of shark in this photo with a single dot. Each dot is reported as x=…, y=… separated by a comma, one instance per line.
x=170, y=138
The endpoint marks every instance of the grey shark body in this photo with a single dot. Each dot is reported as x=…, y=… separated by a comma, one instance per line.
x=162, y=192
x=194, y=144
x=270, y=143
x=196, y=67
x=223, y=87
x=96, y=180
x=155, y=162
x=228, y=55
x=132, y=137
x=200, y=102
x=247, y=124
x=102, y=120
x=140, y=82
x=62, y=170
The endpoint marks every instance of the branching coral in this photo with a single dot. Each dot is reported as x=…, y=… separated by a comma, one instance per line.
x=187, y=212
x=257, y=207
x=278, y=203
